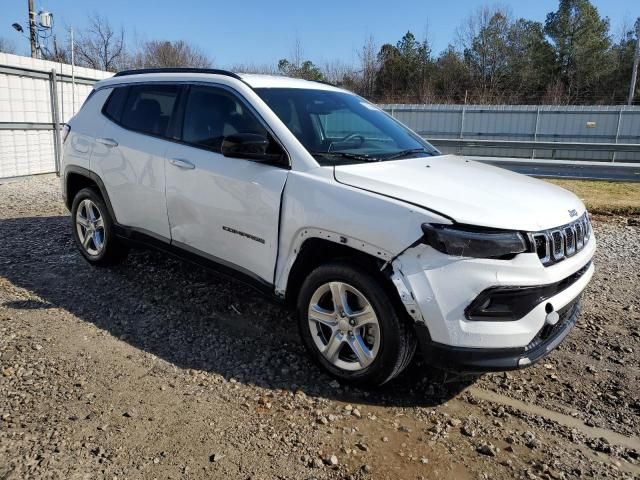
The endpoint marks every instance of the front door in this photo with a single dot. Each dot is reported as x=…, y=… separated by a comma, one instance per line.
x=225, y=208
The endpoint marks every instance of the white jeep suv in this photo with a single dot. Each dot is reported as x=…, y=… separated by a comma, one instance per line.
x=318, y=198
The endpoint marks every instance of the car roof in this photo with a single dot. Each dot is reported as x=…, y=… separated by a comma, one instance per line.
x=280, y=81
x=185, y=74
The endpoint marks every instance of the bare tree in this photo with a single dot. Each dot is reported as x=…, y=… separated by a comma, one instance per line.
x=483, y=38
x=7, y=46
x=369, y=66
x=338, y=72
x=100, y=46
x=297, y=54
x=164, y=53
x=56, y=51
x=254, y=68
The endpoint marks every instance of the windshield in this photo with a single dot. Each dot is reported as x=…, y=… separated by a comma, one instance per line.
x=339, y=127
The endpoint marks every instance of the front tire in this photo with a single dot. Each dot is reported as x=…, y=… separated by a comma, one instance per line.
x=93, y=230
x=350, y=325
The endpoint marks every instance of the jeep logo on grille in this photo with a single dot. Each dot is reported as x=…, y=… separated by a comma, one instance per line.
x=573, y=213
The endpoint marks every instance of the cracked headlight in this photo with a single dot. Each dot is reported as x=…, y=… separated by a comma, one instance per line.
x=463, y=241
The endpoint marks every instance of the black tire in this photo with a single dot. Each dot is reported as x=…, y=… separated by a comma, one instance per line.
x=113, y=250
x=397, y=339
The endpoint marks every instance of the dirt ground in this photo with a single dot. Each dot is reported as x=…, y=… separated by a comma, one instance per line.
x=160, y=369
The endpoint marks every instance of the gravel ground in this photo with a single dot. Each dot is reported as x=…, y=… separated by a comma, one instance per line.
x=159, y=369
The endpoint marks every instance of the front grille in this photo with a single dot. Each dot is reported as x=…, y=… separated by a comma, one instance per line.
x=556, y=244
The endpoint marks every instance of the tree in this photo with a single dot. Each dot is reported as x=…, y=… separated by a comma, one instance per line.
x=164, y=53
x=306, y=70
x=451, y=77
x=101, y=47
x=487, y=50
x=404, y=69
x=368, y=68
x=581, y=40
x=532, y=66
x=622, y=53
x=7, y=46
x=56, y=52
x=297, y=67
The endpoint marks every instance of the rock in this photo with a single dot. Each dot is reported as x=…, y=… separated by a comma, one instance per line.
x=404, y=429
x=332, y=460
x=356, y=413
x=362, y=446
x=487, y=449
x=455, y=422
x=468, y=431
x=424, y=460
x=216, y=457
x=366, y=468
x=530, y=440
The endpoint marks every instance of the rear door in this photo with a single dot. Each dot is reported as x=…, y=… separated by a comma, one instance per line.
x=129, y=155
x=226, y=209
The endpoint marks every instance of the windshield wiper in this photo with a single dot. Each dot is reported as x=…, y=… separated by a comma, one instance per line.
x=404, y=153
x=350, y=156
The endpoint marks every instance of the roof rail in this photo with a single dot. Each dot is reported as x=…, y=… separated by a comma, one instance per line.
x=214, y=71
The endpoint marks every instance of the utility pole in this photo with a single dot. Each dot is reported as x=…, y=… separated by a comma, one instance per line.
x=636, y=60
x=32, y=31
x=73, y=72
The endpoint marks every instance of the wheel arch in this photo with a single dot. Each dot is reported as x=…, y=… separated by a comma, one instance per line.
x=76, y=178
x=318, y=250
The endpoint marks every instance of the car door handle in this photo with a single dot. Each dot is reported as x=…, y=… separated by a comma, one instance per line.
x=180, y=163
x=109, y=142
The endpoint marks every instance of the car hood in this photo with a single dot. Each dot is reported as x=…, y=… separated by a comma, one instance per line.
x=469, y=192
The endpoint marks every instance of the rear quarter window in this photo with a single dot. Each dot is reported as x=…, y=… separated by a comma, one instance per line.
x=113, y=107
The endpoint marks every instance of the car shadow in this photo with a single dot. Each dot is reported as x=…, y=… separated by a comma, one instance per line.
x=189, y=316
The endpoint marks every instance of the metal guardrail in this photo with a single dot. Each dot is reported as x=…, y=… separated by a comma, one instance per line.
x=535, y=145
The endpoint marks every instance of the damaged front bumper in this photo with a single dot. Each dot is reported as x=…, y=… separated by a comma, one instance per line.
x=437, y=290
x=480, y=360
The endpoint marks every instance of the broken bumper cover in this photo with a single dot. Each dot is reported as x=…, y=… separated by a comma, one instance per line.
x=479, y=360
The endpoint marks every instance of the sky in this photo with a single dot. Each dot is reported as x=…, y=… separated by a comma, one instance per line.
x=262, y=32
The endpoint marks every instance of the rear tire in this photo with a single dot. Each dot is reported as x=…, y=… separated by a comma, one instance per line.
x=359, y=339
x=93, y=231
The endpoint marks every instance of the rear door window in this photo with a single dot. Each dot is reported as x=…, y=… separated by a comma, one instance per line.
x=148, y=108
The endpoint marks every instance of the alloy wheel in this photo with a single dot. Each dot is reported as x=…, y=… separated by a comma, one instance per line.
x=344, y=326
x=90, y=227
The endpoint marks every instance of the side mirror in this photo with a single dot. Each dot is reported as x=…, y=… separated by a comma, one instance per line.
x=251, y=146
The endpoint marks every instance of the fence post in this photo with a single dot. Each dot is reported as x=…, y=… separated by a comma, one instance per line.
x=613, y=157
x=55, y=117
x=535, y=133
x=464, y=107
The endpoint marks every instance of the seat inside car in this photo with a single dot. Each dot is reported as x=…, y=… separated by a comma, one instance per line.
x=147, y=115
